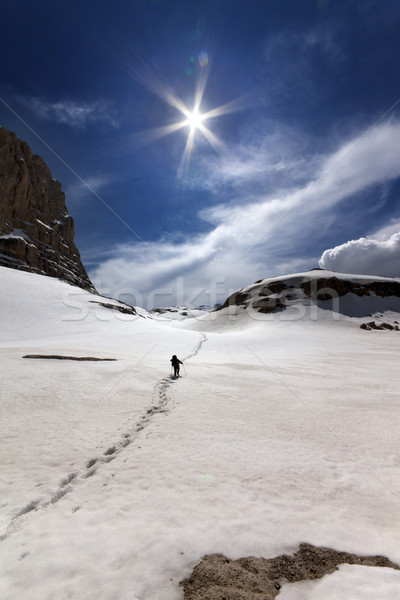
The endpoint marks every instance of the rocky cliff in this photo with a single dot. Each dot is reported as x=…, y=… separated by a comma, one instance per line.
x=36, y=231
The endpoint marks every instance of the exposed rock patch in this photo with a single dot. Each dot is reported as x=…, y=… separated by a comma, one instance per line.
x=217, y=577
x=380, y=326
x=125, y=309
x=323, y=288
x=36, y=231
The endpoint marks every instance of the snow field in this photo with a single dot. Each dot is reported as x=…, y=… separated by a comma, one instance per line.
x=352, y=582
x=58, y=415
x=277, y=433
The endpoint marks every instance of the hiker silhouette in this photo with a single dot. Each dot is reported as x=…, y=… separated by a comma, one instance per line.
x=175, y=362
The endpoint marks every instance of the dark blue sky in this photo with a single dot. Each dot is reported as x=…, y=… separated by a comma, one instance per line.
x=306, y=161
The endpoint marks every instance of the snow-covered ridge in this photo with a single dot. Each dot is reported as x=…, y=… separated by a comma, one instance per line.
x=36, y=308
x=323, y=273
x=352, y=295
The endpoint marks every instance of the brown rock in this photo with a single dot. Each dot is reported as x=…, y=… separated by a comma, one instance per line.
x=217, y=577
x=326, y=288
x=36, y=231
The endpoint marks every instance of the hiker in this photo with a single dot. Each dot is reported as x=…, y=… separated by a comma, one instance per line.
x=175, y=362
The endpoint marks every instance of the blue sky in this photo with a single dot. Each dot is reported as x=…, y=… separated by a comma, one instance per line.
x=297, y=165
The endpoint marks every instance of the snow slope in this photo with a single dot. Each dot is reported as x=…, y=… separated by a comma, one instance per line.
x=117, y=479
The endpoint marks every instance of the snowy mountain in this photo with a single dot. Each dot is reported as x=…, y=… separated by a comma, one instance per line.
x=278, y=442
x=343, y=294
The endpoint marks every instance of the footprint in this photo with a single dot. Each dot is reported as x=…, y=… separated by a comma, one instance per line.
x=108, y=459
x=89, y=473
x=91, y=462
x=110, y=450
x=68, y=479
x=28, y=508
x=60, y=494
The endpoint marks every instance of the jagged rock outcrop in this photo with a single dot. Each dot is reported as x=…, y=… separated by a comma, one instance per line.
x=36, y=231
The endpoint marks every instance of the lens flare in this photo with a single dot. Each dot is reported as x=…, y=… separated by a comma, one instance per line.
x=203, y=59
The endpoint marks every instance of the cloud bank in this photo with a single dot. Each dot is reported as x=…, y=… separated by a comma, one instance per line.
x=365, y=256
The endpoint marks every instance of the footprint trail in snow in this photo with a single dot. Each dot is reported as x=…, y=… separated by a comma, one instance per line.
x=161, y=399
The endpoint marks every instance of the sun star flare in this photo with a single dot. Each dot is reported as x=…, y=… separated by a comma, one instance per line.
x=195, y=119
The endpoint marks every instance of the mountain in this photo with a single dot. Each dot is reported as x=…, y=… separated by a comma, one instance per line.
x=348, y=295
x=36, y=231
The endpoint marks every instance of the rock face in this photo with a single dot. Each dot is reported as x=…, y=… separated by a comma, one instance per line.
x=36, y=231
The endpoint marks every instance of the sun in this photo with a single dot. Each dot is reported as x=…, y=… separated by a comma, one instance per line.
x=195, y=119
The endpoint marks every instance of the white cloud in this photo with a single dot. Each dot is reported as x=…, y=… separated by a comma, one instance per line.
x=388, y=230
x=71, y=113
x=266, y=160
x=367, y=160
x=262, y=235
x=365, y=256
x=79, y=190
